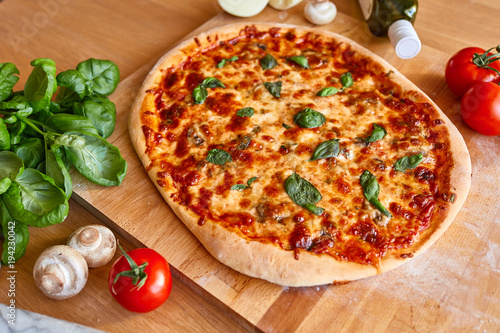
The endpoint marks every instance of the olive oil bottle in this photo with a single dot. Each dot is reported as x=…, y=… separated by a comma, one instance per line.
x=394, y=18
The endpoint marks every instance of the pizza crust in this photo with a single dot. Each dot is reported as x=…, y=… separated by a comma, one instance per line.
x=267, y=261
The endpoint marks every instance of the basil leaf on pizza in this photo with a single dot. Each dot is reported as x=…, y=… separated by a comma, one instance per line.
x=274, y=88
x=303, y=193
x=408, y=162
x=300, y=60
x=328, y=91
x=223, y=62
x=211, y=82
x=268, y=62
x=218, y=156
x=346, y=80
x=326, y=149
x=309, y=118
x=240, y=187
x=371, y=190
x=378, y=133
x=200, y=94
x=245, y=112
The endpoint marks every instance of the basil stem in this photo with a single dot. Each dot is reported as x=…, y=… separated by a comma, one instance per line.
x=371, y=191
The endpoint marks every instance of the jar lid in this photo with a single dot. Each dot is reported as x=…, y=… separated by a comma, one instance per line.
x=243, y=8
x=404, y=39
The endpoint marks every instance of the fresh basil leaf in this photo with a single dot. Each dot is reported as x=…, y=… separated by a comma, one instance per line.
x=55, y=107
x=309, y=118
x=346, y=80
x=328, y=91
x=31, y=151
x=200, y=94
x=4, y=185
x=16, y=132
x=10, y=119
x=18, y=102
x=11, y=166
x=66, y=98
x=34, y=199
x=100, y=111
x=303, y=193
x=24, y=113
x=233, y=58
x=268, y=62
x=101, y=76
x=7, y=79
x=245, y=112
x=408, y=162
x=378, y=133
x=218, y=156
x=98, y=160
x=65, y=122
x=300, y=60
x=326, y=149
x=72, y=79
x=4, y=136
x=285, y=126
x=211, y=82
x=251, y=180
x=371, y=191
x=41, y=84
x=239, y=187
x=55, y=168
x=70, y=140
x=274, y=88
x=16, y=236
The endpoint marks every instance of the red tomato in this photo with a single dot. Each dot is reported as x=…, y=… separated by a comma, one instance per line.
x=480, y=108
x=470, y=66
x=150, y=285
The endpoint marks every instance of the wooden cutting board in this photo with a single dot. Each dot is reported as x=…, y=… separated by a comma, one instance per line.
x=453, y=285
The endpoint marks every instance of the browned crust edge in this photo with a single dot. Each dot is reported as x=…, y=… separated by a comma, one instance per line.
x=267, y=261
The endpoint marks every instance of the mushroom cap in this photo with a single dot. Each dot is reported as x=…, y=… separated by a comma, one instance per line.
x=320, y=12
x=96, y=243
x=60, y=272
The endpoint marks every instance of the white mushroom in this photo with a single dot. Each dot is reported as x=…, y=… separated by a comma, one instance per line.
x=96, y=244
x=60, y=272
x=320, y=12
x=283, y=4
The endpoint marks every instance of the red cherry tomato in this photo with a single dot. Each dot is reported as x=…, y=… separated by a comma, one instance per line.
x=480, y=108
x=142, y=282
x=470, y=66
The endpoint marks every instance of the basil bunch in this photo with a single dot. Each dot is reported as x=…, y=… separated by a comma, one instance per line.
x=41, y=139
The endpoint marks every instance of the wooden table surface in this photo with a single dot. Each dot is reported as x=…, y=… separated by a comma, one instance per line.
x=462, y=293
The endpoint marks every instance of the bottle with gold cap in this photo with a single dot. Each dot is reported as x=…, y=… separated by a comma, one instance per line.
x=394, y=18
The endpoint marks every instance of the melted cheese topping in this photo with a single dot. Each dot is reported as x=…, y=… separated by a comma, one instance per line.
x=180, y=133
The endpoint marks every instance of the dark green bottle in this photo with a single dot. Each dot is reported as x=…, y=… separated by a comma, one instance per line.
x=394, y=18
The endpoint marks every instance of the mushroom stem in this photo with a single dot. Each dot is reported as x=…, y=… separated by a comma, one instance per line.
x=53, y=279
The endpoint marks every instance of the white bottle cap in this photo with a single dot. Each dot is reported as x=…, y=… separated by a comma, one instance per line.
x=404, y=39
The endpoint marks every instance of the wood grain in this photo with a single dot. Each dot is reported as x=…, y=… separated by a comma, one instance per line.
x=453, y=286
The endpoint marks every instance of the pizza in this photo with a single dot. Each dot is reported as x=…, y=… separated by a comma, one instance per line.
x=297, y=156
